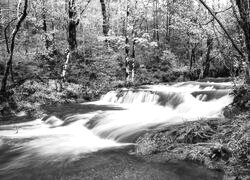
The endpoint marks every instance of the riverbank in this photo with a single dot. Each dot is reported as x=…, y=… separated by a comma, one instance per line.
x=30, y=99
x=219, y=144
x=27, y=99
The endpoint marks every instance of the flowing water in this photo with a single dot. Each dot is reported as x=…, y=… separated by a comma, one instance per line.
x=93, y=140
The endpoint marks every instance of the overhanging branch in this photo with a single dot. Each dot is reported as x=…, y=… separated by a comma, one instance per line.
x=221, y=25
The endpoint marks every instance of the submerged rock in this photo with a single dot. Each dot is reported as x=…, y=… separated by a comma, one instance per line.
x=21, y=114
x=53, y=121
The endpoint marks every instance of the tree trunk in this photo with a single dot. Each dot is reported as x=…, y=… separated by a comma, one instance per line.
x=222, y=27
x=105, y=25
x=20, y=19
x=72, y=25
x=156, y=26
x=133, y=62
x=208, y=58
x=7, y=45
x=65, y=67
x=157, y=21
x=127, y=69
x=71, y=35
x=46, y=40
x=244, y=10
x=168, y=20
x=192, y=57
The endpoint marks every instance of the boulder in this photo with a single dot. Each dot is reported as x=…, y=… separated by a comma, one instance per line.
x=53, y=121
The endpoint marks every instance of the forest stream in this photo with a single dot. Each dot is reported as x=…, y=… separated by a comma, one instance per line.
x=96, y=140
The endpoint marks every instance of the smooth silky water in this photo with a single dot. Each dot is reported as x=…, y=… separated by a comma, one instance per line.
x=95, y=140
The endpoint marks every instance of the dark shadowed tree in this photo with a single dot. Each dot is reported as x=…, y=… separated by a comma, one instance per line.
x=105, y=23
x=73, y=21
x=208, y=56
x=244, y=21
x=21, y=16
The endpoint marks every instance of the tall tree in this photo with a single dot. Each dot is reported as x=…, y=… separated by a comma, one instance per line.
x=208, y=58
x=222, y=27
x=127, y=69
x=20, y=18
x=44, y=26
x=105, y=22
x=244, y=11
x=73, y=21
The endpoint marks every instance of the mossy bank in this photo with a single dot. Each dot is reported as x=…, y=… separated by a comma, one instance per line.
x=219, y=144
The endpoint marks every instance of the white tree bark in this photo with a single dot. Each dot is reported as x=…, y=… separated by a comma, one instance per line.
x=65, y=67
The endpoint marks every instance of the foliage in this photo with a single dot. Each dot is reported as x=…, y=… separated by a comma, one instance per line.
x=50, y=64
x=169, y=39
x=241, y=97
x=185, y=32
x=32, y=94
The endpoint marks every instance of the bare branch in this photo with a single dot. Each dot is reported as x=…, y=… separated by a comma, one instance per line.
x=216, y=14
x=20, y=19
x=86, y=6
x=221, y=25
x=5, y=35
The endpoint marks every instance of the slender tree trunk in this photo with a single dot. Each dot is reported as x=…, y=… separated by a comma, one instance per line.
x=7, y=46
x=72, y=25
x=127, y=69
x=46, y=40
x=133, y=62
x=65, y=67
x=105, y=24
x=71, y=35
x=157, y=21
x=20, y=19
x=167, y=24
x=189, y=52
x=156, y=28
x=6, y=34
x=192, y=58
x=208, y=58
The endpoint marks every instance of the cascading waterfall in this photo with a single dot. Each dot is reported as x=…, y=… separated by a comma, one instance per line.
x=160, y=105
x=140, y=110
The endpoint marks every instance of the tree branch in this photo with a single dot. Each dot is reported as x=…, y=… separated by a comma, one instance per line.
x=85, y=7
x=6, y=37
x=216, y=14
x=221, y=25
x=20, y=19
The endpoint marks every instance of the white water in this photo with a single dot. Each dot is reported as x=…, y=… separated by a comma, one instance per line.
x=154, y=106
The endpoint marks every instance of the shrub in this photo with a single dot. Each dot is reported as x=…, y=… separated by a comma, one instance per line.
x=31, y=95
x=241, y=97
